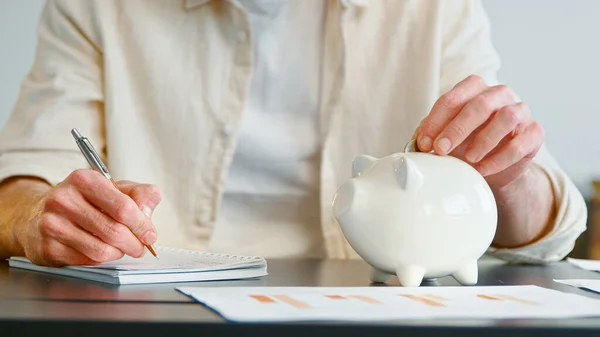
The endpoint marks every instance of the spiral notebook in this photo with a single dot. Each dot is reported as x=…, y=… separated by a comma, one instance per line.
x=174, y=265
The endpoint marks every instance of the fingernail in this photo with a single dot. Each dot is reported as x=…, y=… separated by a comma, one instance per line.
x=147, y=210
x=149, y=237
x=444, y=144
x=425, y=143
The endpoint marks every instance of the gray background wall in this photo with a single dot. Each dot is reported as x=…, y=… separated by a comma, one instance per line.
x=550, y=51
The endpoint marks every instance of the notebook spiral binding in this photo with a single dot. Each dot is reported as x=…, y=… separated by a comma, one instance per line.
x=209, y=254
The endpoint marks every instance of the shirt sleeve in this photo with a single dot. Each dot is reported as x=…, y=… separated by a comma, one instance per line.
x=467, y=49
x=63, y=90
x=569, y=223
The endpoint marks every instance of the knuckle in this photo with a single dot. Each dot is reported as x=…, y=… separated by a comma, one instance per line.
x=49, y=252
x=147, y=191
x=475, y=79
x=482, y=103
x=504, y=90
x=511, y=114
x=123, y=212
x=486, y=140
x=49, y=225
x=57, y=199
x=524, y=108
x=538, y=129
x=449, y=100
x=139, y=227
x=458, y=130
x=101, y=253
x=113, y=231
x=493, y=163
x=154, y=192
x=516, y=149
x=430, y=127
x=80, y=177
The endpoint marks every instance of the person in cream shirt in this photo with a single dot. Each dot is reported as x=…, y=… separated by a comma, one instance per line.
x=229, y=124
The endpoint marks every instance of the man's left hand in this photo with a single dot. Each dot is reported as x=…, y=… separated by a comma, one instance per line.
x=484, y=126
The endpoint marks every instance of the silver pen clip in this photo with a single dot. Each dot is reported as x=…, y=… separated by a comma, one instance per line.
x=90, y=153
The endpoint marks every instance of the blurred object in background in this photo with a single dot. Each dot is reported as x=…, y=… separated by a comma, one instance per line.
x=593, y=231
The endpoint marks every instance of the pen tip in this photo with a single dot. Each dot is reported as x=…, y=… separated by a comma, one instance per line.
x=152, y=250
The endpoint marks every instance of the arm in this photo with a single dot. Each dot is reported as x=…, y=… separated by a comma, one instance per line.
x=64, y=215
x=540, y=212
x=26, y=192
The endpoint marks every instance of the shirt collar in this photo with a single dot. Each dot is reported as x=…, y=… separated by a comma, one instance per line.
x=191, y=4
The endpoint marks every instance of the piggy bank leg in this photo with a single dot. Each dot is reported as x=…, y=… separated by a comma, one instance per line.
x=378, y=276
x=410, y=276
x=467, y=274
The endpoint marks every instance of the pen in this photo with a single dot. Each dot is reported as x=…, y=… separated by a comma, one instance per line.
x=96, y=163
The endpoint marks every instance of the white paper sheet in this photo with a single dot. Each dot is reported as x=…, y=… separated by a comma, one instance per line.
x=593, y=265
x=251, y=304
x=592, y=285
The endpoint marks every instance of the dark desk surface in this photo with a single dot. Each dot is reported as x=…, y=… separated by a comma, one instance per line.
x=32, y=302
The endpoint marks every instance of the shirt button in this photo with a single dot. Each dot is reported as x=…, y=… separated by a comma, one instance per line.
x=204, y=220
x=242, y=36
x=227, y=130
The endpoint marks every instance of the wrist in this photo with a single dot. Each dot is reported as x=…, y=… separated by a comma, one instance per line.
x=507, y=193
x=22, y=222
x=525, y=209
x=20, y=201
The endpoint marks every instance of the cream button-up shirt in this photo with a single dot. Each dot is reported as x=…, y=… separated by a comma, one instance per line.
x=160, y=86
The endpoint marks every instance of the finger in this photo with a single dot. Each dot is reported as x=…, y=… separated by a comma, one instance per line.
x=474, y=114
x=146, y=196
x=504, y=121
x=446, y=108
x=103, y=195
x=106, y=228
x=513, y=172
x=69, y=203
x=57, y=227
x=55, y=254
x=523, y=145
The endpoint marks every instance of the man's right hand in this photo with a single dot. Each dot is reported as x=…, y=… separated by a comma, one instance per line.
x=85, y=220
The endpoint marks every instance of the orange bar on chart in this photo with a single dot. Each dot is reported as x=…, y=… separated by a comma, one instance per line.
x=292, y=302
x=436, y=297
x=263, y=298
x=365, y=299
x=516, y=299
x=488, y=297
x=423, y=300
x=335, y=297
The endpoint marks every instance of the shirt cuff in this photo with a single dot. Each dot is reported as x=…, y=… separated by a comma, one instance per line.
x=569, y=223
x=51, y=166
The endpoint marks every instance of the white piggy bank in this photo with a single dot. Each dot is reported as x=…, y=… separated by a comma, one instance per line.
x=417, y=215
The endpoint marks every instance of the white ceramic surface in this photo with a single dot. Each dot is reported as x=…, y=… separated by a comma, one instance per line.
x=418, y=216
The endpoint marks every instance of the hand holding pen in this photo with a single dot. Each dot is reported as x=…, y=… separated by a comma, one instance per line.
x=123, y=213
x=87, y=219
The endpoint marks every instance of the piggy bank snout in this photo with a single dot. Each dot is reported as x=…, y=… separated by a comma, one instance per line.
x=344, y=199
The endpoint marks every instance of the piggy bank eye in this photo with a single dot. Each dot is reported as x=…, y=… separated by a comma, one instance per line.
x=407, y=174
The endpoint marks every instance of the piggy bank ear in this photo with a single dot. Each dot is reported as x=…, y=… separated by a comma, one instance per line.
x=407, y=174
x=361, y=164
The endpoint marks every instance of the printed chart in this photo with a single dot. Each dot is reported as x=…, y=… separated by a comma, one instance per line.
x=391, y=303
